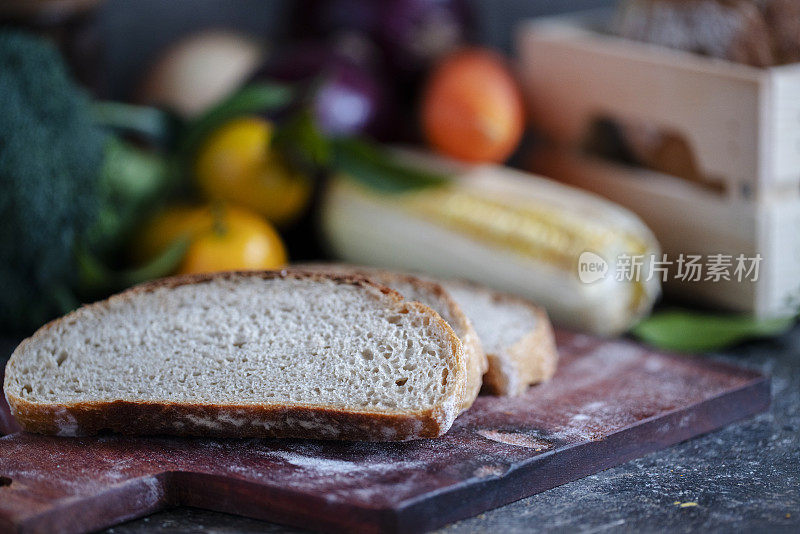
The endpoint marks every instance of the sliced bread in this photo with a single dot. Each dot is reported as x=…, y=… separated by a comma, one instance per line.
x=433, y=295
x=256, y=354
x=516, y=335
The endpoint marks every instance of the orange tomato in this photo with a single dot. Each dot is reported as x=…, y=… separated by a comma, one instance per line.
x=236, y=164
x=221, y=238
x=472, y=108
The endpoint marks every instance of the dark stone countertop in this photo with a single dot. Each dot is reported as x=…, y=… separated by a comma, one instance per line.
x=744, y=477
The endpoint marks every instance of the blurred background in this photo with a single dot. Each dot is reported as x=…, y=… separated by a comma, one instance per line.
x=578, y=153
x=133, y=33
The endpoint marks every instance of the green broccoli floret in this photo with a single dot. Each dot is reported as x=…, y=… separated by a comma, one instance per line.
x=70, y=190
x=50, y=152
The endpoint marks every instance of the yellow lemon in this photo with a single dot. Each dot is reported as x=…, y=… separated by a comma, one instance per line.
x=241, y=240
x=220, y=237
x=237, y=164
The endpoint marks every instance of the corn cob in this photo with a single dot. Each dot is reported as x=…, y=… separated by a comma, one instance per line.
x=517, y=232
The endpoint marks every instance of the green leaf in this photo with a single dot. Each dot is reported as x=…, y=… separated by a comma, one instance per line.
x=151, y=122
x=131, y=182
x=252, y=99
x=377, y=168
x=65, y=298
x=687, y=331
x=162, y=265
x=95, y=278
x=303, y=145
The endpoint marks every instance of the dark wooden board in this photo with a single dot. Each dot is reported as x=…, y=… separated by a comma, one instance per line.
x=611, y=401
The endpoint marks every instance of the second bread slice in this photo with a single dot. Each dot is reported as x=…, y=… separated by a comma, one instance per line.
x=431, y=294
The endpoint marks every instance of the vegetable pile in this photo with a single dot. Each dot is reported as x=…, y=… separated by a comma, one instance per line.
x=99, y=196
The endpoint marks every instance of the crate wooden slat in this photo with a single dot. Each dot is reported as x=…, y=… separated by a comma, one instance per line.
x=743, y=123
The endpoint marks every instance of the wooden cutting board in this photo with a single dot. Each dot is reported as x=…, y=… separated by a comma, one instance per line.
x=611, y=401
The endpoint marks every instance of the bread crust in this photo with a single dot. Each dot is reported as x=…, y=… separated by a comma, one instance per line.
x=243, y=420
x=226, y=421
x=476, y=360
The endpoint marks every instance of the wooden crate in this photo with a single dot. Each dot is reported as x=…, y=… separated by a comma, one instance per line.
x=741, y=123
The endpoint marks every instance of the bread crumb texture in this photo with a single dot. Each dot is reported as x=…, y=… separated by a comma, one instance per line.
x=245, y=340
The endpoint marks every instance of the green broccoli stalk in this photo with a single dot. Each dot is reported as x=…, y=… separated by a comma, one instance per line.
x=66, y=184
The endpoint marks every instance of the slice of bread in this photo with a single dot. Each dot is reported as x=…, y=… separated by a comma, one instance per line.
x=516, y=335
x=433, y=295
x=256, y=354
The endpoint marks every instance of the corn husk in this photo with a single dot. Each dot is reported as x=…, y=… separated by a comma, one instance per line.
x=510, y=230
